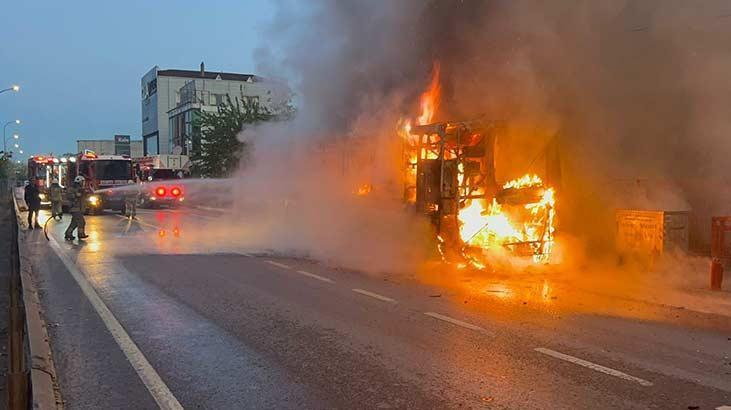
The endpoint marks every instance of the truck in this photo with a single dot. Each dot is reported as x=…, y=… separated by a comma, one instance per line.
x=159, y=174
x=103, y=174
x=42, y=170
x=161, y=167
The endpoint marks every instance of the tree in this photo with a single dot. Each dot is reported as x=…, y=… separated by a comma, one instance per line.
x=219, y=151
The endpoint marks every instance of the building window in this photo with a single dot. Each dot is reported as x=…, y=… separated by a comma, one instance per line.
x=152, y=87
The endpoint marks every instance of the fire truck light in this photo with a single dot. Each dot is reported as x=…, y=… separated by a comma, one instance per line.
x=160, y=191
x=64, y=159
x=55, y=160
x=93, y=200
x=72, y=159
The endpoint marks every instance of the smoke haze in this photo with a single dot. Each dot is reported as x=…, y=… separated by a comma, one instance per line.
x=627, y=90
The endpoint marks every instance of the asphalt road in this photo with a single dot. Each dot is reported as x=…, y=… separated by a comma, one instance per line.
x=140, y=319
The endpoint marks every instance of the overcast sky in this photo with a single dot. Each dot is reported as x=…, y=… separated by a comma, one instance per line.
x=79, y=62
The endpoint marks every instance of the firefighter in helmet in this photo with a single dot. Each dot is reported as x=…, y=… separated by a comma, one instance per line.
x=77, y=196
x=56, y=200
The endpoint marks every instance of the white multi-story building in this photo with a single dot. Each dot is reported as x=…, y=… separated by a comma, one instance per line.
x=172, y=98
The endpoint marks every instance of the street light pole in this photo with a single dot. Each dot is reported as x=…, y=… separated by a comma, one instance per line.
x=5, y=140
x=14, y=88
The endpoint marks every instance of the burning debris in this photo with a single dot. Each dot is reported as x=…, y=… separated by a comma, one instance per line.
x=450, y=176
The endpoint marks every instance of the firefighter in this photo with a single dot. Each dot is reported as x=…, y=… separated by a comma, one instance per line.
x=77, y=197
x=131, y=197
x=32, y=198
x=56, y=200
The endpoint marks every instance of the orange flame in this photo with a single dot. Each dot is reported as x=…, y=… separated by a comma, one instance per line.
x=430, y=98
x=488, y=226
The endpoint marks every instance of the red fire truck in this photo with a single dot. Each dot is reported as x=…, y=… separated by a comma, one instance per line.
x=42, y=170
x=103, y=173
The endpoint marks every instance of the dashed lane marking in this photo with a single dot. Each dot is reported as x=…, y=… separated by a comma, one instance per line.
x=279, y=265
x=149, y=376
x=593, y=366
x=313, y=276
x=374, y=295
x=455, y=321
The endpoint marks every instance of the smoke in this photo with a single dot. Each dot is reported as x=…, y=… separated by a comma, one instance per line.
x=626, y=91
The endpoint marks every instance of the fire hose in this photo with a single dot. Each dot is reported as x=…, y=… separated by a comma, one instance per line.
x=45, y=227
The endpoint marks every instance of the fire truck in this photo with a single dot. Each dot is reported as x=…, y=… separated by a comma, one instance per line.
x=42, y=170
x=103, y=173
x=159, y=174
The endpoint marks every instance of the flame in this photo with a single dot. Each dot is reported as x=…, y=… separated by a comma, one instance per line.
x=529, y=225
x=430, y=98
x=525, y=181
x=364, y=189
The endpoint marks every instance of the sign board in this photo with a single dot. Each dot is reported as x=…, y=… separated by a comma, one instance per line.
x=640, y=233
x=648, y=234
x=122, y=145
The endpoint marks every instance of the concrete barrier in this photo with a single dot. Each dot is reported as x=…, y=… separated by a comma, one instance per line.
x=44, y=391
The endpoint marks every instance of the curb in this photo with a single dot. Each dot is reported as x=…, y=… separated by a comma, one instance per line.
x=44, y=394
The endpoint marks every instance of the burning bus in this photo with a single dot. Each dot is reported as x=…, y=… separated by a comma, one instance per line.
x=450, y=176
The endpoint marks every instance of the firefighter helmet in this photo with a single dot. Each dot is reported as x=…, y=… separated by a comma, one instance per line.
x=79, y=179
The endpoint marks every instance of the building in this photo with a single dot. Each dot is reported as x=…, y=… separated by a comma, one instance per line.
x=172, y=98
x=120, y=145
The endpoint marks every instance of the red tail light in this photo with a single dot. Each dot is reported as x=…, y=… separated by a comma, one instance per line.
x=160, y=191
x=175, y=191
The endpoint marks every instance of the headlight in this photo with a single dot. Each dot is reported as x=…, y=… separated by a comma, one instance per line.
x=93, y=200
x=42, y=196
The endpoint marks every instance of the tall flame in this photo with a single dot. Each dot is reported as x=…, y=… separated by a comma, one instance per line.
x=430, y=98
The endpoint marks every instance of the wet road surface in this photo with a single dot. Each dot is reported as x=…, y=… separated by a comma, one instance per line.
x=138, y=319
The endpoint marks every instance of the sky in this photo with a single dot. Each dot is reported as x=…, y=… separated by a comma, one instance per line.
x=79, y=62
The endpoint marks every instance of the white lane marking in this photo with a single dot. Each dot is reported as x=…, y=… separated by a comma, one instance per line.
x=279, y=265
x=149, y=376
x=454, y=321
x=593, y=366
x=374, y=295
x=313, y=276
x=210, y=208
x=141, y=222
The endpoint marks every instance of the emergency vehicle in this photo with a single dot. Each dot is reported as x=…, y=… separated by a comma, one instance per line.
x=159, y=175
x=102, y=174
x=42, y=170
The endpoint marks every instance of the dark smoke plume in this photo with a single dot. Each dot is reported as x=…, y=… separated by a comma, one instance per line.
x=635, y=92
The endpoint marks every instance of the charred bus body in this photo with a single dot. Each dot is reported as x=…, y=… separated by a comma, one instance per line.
x=450, y=176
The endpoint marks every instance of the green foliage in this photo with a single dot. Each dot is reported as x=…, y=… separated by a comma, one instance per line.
x=220, y=152
x=5, y=167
